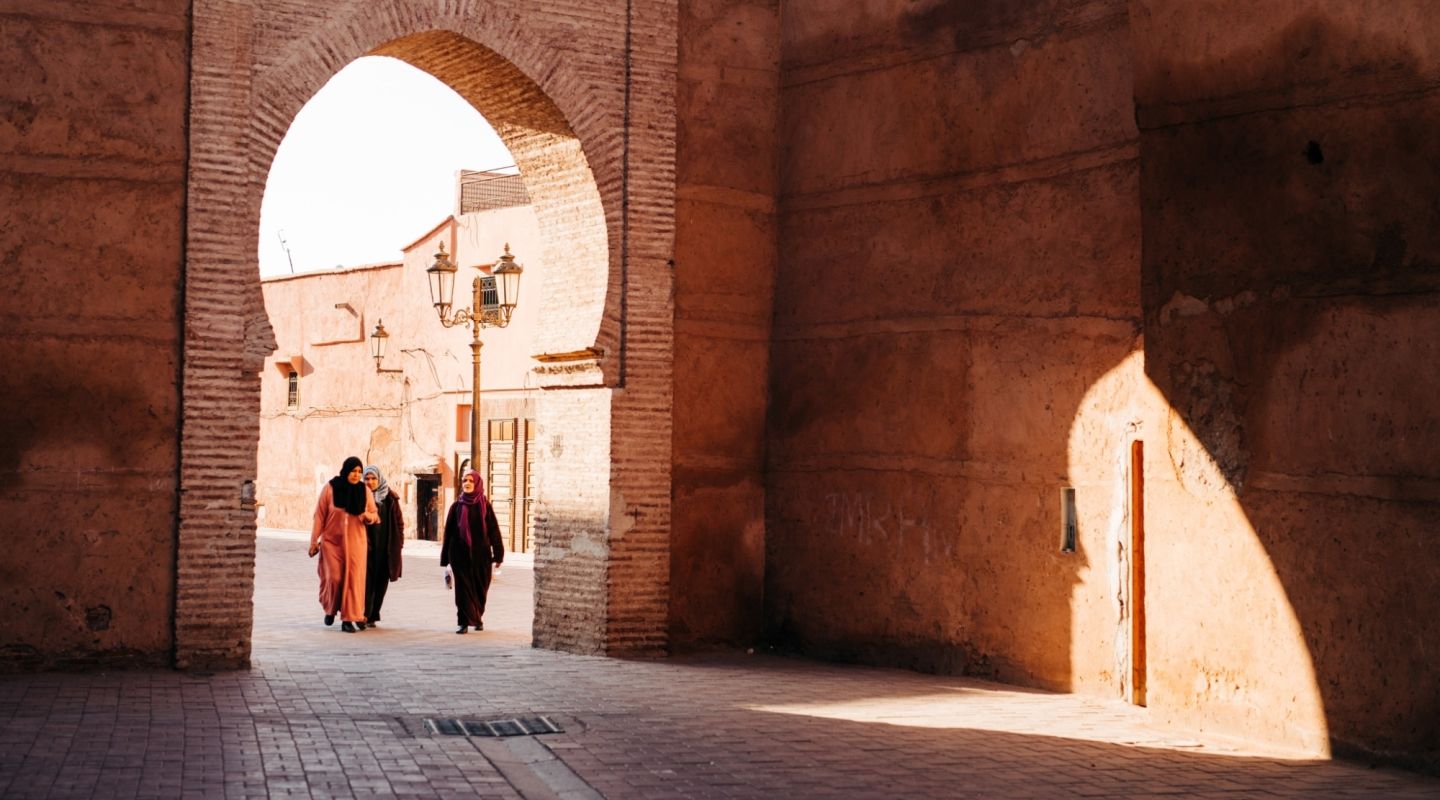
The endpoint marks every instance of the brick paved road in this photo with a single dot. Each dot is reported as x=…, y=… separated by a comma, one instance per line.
x=325, y=714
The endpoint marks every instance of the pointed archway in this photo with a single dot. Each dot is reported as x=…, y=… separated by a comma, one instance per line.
x=590, y=121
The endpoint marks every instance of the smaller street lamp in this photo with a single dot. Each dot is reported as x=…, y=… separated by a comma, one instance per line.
x=378, y=342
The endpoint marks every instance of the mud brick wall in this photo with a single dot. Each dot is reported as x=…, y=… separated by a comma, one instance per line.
x=725, y=260
x=960, y=264
x=1291, y=280
x=92, y=187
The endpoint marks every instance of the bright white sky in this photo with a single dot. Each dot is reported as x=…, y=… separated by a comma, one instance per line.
x=368, y=166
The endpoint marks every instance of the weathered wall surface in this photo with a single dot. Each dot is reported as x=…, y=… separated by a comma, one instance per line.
x=728, y=113
x=322, y=324
x=1291, y=268
x=92, y=183
x=960, y=240
x=975, y=235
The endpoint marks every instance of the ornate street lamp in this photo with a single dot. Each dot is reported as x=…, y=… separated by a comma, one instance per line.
x=507, y=280
x=493, y=302
x=442, y=283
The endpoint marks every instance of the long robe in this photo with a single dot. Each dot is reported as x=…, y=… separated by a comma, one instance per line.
x=343, y=546
x=386, y=537
x=471, y=563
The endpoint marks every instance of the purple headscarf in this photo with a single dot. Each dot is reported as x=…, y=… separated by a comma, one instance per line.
x=472, y=500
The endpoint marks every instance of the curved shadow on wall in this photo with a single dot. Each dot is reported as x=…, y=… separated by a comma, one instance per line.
x=1291, y=273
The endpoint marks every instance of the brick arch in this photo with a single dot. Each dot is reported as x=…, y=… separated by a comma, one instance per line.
x=563, y=105
x=581, y=221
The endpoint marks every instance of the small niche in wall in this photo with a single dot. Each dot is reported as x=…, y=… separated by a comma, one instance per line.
x=1068, y=532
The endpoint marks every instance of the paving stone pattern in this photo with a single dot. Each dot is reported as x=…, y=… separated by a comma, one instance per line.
x=325, y=714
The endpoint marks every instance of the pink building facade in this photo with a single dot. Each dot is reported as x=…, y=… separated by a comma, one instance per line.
x=324, y=397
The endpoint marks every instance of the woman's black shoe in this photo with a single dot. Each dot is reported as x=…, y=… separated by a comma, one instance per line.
x=348, y=627
x=462, y=629
x=329, y=619
x=360, y=626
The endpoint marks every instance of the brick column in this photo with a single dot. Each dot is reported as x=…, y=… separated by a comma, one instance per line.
x=220, y=424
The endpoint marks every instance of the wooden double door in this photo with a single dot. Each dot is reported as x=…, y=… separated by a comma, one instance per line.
x=509, y=480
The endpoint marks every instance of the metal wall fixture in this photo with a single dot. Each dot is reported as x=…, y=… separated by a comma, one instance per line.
x=379, y=341
x=1069, y=528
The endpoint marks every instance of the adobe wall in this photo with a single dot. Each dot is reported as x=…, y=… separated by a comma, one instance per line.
x=961, y=244
x=92, y=242
x=725, y=257
x=1291, y=267
x=995, y=282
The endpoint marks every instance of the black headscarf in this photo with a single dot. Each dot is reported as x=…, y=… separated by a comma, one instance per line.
x=349, y=496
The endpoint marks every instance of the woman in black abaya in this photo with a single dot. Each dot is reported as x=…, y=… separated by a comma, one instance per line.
x=386, y=538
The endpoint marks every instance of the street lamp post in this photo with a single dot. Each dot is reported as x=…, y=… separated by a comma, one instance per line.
x=378, y=342
x=493, y=303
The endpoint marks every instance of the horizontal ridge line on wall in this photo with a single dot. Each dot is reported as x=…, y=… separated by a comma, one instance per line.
x=96, y=15
x=979, y=321
x=164, y=334
x=1402, y=488
x=969, y=468
x=1039, y=31
x=726, y=196
x=135, y=479
x=102, y=168
x=906, y=188
x=1162, y=116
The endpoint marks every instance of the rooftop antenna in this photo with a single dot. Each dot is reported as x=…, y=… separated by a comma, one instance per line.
x=281, y=236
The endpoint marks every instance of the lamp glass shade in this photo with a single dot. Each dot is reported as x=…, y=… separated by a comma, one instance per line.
x=378, y=340
x=507, y=280
x=442, y=282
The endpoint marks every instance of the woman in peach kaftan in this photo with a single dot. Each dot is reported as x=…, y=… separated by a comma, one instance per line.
x=338, y=537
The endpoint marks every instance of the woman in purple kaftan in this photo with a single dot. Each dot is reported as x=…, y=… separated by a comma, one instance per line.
x=472, y=546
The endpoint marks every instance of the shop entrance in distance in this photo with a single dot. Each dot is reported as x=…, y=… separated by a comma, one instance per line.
x=427, y=507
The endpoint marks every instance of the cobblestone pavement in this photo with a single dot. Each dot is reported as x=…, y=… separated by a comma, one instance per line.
x=326, y=714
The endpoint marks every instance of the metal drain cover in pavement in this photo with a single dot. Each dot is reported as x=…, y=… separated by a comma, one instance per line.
x=515, y=726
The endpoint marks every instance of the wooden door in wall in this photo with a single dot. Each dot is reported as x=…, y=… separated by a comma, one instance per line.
x=500, y=476
x=1138, y=663
x=508, y=481
x=527, y=486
